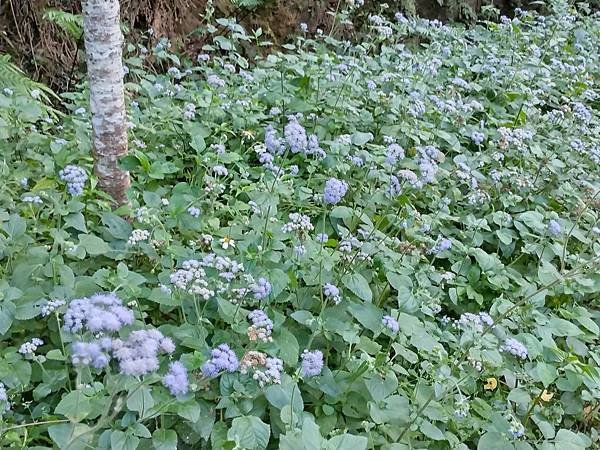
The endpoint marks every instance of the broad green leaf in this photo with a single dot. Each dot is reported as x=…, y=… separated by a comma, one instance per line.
x=431, y=431
x=123, y=441
x=74, y=406
x=93, y=244
x=140, y=400
x=164, y=439
x=358, y=285
x=249, y=432
x=494, y=441
x=347, y=441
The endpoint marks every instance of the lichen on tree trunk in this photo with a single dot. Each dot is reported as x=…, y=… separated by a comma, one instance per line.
x=103, y=47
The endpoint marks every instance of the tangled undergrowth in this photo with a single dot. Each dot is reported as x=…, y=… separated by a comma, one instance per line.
x=346, y=246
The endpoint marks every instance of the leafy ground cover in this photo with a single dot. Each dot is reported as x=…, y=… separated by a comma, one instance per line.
x=346, y=246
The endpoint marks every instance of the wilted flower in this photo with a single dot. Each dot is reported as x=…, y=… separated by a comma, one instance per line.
x=261, y=327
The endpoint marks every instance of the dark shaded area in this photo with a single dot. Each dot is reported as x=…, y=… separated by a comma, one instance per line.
x=50, y=54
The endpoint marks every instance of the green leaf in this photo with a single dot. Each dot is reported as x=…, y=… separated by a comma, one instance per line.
x=123, y=441
x=546, y=373
x=163, y=439
x=7, y=314
x=380, y=388
x=93, y=244
x=71, y=436
x=367, y=314
x=431, y=431
x=347, y=442
x=280, y=395
x=140, y=401
x=358, y=285
x=360, y=138
x=568, y=440
x=118, y=227
x=395, y=410
x=547, y=273
x=15, y=227
x=198, y=143
x=494, y=441
x=77, y=221
x=562, y=327
x=75, y=406
x=289, y=349
x=249, y=432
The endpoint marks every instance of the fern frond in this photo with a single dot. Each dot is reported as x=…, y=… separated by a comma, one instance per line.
x=71, y=23
x=15, y=79
x=248, y=3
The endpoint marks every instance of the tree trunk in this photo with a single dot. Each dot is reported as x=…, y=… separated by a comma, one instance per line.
x=103, y=42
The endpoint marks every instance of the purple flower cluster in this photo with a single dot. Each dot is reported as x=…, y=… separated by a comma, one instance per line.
x=427, y=160
x=322, y=237
x=222, y=359
x=29, y=348
x=261, y=289
x=295, y=136
x=395, y=188
x=474, y=321
x=95, y=353
x=554, y=227
x=75, y=177
x=261, y=327
x=390, y=323
x=193, y=211
x=440, y=246
x=176, y=379
x=100, y=312
x=477, y=137
x=515, y=348
x=332, y=292
x=393, y=153
x=334, y=191
x=3, y=399
x=138, y=354
x=271, y=374
x=312, y=363
x=272, y=142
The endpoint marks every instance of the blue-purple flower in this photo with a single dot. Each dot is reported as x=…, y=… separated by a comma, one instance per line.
x=176, y=379
x=99, y=313
x=390, y=323
x=222, y=359
x=312, y=363
x=334, y=191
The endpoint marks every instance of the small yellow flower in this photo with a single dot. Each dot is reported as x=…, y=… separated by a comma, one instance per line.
x=227, y=242
x=248, y=134
x=546, y=396
x=491, y=384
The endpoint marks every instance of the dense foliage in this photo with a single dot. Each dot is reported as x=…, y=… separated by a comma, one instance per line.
x=391, y=244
